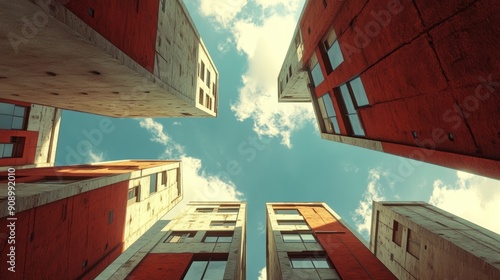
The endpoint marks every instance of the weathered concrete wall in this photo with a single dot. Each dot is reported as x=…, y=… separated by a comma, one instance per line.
x=448, y=247
x=115, y=72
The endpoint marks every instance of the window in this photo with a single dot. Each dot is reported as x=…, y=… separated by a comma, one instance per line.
x=205, y=270
x=317, y=75
x=218, y=237
x=332, y=50
x=202, y=71
x=290, y=71
x=328, y=113
x=204, y=210
x=179, y=236
x=153, y=183
x=397, y=233
x=6, y=150
x=12, y=116
x=350, y=93
x=164, y=178
x=223, y=223
x=309, y=262
x=292, y=223
x=298, y=237
x=133, y=195
x=286, y=212
x=200, y=96
x=207, y=101
x=413, y=244
x=208, y=78
x=228, y=210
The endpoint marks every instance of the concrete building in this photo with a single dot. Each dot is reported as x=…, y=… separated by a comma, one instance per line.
x=418, y=241
x=310, y=241
x=71, y=222
x=28, y=134
x=114, y=58
x=417, y=79
x=207, y=241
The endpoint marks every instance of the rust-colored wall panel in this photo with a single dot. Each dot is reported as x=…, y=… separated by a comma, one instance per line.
x=162, y=266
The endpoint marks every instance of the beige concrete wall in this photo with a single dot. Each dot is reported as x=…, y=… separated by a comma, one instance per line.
x=47, y=70
x=46, y=120
x=450, y=247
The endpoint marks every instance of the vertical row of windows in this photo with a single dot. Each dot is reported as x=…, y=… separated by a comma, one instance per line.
x=203, y=97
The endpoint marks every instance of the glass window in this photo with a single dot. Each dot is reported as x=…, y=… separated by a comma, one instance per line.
x=292, y=222
x=335, y=55
x=210, y=239
x=202, y=71
x=220, y=237
x=352, y=114
x=208, y=78
x=286, y=211
x=359, y=92
x=309, y=262
x=206, y=270
x=307, y=237
x=6, y=150
x=317, y=75
x=11, y=116
x=320, y=263
x=228, y=210
x=153, y=183
x=397, y=233
x=329, y=114
x=179, y=236
x=291, y=237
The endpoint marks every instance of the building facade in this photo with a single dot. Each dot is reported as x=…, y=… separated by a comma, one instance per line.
x=28, y=134
x=114, y=58
x=417, y=79
x=207, y=241
x=310, y=241
x=416, y=240
x=71, y=222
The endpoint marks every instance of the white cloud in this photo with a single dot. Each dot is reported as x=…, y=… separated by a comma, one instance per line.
x=363, y=213
x=473, y=198
x=263, y=274
x=222, y=11
x=95, y=156
x=265, y=42
x=350, y=167
x=261, y=228
x=177, y=123
x=196, y=183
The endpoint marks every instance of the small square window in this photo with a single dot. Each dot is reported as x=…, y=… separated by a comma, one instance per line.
x=153, y=183
x=286, y=212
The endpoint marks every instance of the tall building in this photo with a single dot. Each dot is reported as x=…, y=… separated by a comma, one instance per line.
x=417, y=79
x=310, y=241
x=71, y=222
x=28, y=134
x=114, y=58
x=207, y=241
x=416, y=240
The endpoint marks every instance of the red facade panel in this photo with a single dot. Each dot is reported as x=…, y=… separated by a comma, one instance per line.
x=130, y=25
x=162, y=266
x=351, y=258
x=29, y=147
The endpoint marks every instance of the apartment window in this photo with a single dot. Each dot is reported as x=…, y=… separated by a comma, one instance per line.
x=164, y=178
x=294, y=237
x=204, y=210
x=413, y=244
x=328, y=114
x=6, y=150
x=286, y=212
x=202, y=71
x=309, y=262
x=397, y=233
x=317, y=75
x=292, y=223
x=179, y=236
x=218, y=237
x=207, y=100
x=153, y=183
x=133, y=195
x=208, y=78
x=200, y=96
x=332, y=50
x=206, y=269
x=350, y=108
x=228, y=210
x=358, y=91
x=12, y=116
x=223, y=223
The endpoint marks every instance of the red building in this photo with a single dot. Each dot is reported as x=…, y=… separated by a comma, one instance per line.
x=310, y=241
x=71, y=222
x=417, y=79
x=28, y=134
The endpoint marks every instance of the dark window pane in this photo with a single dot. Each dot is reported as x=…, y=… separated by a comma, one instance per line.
x=210, y=239
x=195, y=271
x=152, y=183
x=215, y=270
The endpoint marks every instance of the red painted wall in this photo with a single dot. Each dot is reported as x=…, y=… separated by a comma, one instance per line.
x=162, y=266
x=54, y=240
x=130, y=25
x=351, y=258
x=426, y=67
x=29, y=151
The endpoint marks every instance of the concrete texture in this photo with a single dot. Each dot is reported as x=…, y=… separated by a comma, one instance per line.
x=434, y=245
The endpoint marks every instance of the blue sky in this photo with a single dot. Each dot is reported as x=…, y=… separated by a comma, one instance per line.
x=260, y=151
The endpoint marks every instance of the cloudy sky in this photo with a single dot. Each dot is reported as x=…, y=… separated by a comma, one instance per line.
x=260, y=151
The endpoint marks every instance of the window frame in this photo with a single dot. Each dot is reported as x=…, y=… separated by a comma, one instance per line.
x=217, y=235
x=222, y=223
x=13, y=116
x=135, y=198
x=312, y=258
x=206, y=268
x=341, y=93
x=397, y=233
x=153, y=183
x=299, y=235
x=183, y=235
x=276, y=211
